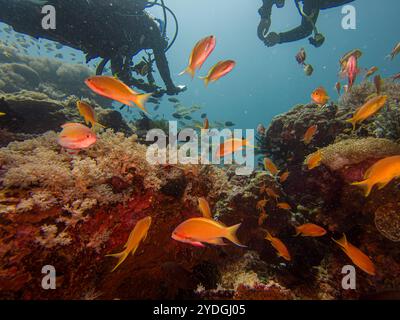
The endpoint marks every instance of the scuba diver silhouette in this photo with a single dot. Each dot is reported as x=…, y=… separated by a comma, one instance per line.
x=113, y=30
x=309, y=13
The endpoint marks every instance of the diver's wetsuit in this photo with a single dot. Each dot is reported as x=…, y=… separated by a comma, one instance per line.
x=114, y=30
x=310, y=8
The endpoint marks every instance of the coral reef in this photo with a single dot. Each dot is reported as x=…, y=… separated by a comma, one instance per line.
x=55, y=78
x=71, y=211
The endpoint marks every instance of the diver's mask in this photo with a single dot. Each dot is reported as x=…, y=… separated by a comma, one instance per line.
x=318, y=40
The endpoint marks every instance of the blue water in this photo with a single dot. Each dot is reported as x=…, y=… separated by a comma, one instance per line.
x=266, y=81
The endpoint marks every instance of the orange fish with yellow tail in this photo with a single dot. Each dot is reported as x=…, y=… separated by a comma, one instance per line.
x=279, y=246
x=320, y=96
x=197, y=231
x=284, y=176
x=231, y=146
x=370, y=108
x=88, y=113
x=270, y=166
x=314, y=160
x=199, y=55
x=138, y=234
x=310, y=133
x=359, y=258
x=310, y=230
x=115, y=89
x=381, y=173
x=219, y=70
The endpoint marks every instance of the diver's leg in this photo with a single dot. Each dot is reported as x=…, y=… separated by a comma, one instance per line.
x=163, y=68
x=327, y=4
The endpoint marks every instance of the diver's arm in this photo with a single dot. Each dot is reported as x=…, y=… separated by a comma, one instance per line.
x=311, y=8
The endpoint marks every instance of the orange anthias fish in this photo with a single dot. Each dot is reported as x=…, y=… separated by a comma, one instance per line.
x=320, y=96
x=197, y=231
x=395, y=51
x=284, y=176
x=219, y=70
x=310, y=133
x=314, y=160
x=370, y=72
x=87, y=112
x=76, y=136
x=378, y=84
x=279, y=246
x=381, y=173
x=271, y=193
x=137, y=235
x=206, y=124
x=231, y=146
x=284, y=206
x=199, y=55
x=396, y=76
x=270, y=166
x=359, y=258
x=338, y=87
x=351, y=70
x=204, y=208
x=115, y=89
x=310, y=230
x=371, y=107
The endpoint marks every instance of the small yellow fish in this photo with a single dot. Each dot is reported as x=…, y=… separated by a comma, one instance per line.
x=367, y=110
x=270, y=166
x=310, y=133
x=138, y=234
x=359, y=258
x=197, y=231
x=314, y=160
x=381, y=173
x=310, y=230
x=279, y=246
x=204, y=208
x=2, y=114
x=87, y=112
x=284, y=176
x=284, y=206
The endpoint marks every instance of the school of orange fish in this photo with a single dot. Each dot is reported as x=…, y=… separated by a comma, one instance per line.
x=205, y=230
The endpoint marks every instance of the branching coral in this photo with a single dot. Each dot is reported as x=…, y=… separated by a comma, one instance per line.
x=79, y=183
